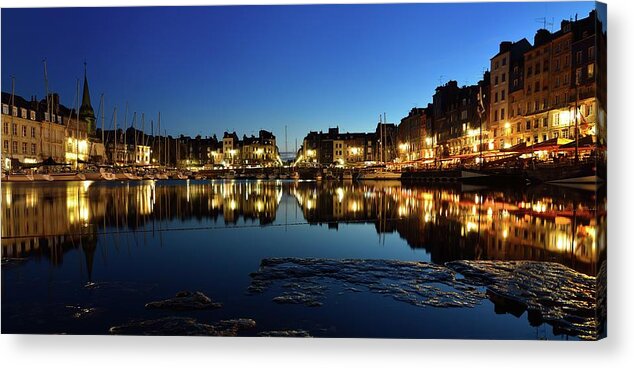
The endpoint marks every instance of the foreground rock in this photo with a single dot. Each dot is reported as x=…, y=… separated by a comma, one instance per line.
x=417, y=283
x=549, y=292
x=183, y=326
x=285, y=333
x=185, y=300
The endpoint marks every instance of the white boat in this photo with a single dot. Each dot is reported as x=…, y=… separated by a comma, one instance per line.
x=68, y=176
x=126, y=176
x=42, y=177
x=161, y=176
x=20, y=177
x=148, y=177
x=283, y=176
x=380, y=175
x=272, y=176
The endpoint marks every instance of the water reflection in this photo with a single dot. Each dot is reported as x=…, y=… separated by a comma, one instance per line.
x=544, y=223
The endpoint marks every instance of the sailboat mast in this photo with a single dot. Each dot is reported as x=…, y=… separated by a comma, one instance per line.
x=385, y=157
x=125, y=135
x=134, y=161
x=380, y=139
x=11, y=112
x=159, y=142
x=77, y=127
x=48, y=109
x=103, y=119
x=114, y=159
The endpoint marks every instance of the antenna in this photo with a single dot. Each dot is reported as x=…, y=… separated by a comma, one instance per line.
x=545, y=22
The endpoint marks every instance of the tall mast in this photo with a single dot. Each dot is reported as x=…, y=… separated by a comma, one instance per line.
x=576, y=120
x=380, y=138
x=385, y=137
x=167, y=148
x=77, y=127
x=11, y=112
x=48, y=109
x=159, y=142
x=125, y=135
x=114, y=160
x=103, y=120
x=134, y=128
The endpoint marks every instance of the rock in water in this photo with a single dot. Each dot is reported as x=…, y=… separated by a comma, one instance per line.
x=285, y=333
x=182, y=326
x=185, y=300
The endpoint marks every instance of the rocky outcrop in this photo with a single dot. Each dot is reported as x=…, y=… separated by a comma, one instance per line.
x=185, y=300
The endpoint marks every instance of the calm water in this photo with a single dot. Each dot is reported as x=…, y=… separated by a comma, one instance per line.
x=145, y=241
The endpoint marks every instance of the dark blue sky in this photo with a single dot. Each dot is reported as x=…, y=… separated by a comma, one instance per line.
x=208, y=69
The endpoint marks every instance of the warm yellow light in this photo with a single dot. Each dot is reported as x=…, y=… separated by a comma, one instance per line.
x=507, y=125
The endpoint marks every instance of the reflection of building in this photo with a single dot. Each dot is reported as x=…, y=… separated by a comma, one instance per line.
x=452, y=225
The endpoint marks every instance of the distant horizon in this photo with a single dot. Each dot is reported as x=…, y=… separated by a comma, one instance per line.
x=245, y=68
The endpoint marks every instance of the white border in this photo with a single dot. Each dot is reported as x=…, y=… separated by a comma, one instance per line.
x=108, y=351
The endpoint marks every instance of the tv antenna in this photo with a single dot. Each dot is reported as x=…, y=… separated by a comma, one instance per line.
x=546, y=23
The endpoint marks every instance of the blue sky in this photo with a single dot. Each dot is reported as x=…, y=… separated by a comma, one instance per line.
x=245, y=68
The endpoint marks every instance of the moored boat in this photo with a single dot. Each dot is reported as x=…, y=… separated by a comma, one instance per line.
x=68, y=176
x=380, y=175
x=20, y=177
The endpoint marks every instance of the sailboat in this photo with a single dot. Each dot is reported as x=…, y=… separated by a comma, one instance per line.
x=381, y=173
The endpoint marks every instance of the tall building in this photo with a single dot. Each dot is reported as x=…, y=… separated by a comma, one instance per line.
x=414, y=135
x=336, y=148
x=506, y=77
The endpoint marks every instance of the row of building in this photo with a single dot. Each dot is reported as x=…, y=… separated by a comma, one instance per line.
x=44, y=131
x=551, y=91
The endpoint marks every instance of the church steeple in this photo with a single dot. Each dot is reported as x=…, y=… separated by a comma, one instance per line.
x=86, y=112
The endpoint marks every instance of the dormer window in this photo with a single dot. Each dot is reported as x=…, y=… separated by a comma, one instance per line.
x=32, y=115
x=23, y=113
x=5, y=109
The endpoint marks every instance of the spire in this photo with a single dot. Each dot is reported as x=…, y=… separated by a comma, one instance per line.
x=86, y=112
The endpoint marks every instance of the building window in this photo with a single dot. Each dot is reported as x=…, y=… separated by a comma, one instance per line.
x=497, y=65
x=15, y=129
x=32, y=115
x=495, y=116
x=537, y=68
x=545, y=67
x=564, y=133
x=519, y=126
x=502, y=114
x=529, y=71
x=496, y=97
x=503, y=77
x=557, y=64
x=528, y=125
x=577, y=76
x=496, y=80
x=503, y=63
x=579, y=57
x=545, y=122
x=5, y=109
x=32, y=132
x=535, y=139
x=33, y=148
x=544, y=137
x=591, y=53
x=515, y=83
x=6, y=128
x=6, y=146
x=24, y=130
x=23, y=113
x=536, y=124
x=537, y=86
x=15, y=147
x=590, y=71
x=503, y=95
x=566, y=79
x=24, y=148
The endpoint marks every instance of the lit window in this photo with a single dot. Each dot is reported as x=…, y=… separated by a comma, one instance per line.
x=5, y=109
x=591, y=70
